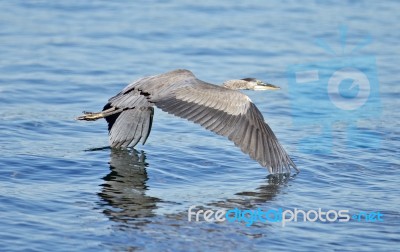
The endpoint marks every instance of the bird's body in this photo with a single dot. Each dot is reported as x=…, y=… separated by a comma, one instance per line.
x=221, y=109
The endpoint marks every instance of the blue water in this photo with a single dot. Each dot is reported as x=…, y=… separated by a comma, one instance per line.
x=61, y=190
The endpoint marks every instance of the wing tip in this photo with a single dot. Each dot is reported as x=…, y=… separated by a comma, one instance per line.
x=283, y=168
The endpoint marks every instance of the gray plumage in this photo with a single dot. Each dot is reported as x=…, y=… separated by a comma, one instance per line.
x=220, y=109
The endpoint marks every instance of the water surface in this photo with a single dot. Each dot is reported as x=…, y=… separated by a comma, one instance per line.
x=61, y=189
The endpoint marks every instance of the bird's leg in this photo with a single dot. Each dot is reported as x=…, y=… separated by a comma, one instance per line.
x=88, y=113
x=90, y=116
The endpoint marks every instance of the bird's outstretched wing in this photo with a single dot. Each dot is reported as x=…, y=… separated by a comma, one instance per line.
x=133, y=122
x=130, y=126
x=226, y=112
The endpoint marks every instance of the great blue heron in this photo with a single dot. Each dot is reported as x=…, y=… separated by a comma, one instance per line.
x=222, y=110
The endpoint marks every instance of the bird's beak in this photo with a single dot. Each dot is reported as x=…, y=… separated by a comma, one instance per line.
x=265, y=86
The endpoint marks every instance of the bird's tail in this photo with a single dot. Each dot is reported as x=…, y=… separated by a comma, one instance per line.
x=93, y=116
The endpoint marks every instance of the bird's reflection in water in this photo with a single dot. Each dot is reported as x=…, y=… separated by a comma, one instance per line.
x=264, y=193
x=124, y=188
x=124, y=198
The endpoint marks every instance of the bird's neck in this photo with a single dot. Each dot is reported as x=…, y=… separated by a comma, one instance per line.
x=235, y=84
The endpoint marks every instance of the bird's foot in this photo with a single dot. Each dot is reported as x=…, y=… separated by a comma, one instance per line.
x=90, y=116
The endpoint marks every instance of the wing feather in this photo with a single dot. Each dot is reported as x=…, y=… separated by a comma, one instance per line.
x=189, y=110
x=212, y=122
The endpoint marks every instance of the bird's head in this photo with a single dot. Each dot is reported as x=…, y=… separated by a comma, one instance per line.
x=249, y=84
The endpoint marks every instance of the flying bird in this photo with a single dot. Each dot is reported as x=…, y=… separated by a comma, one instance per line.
x=220, y=109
